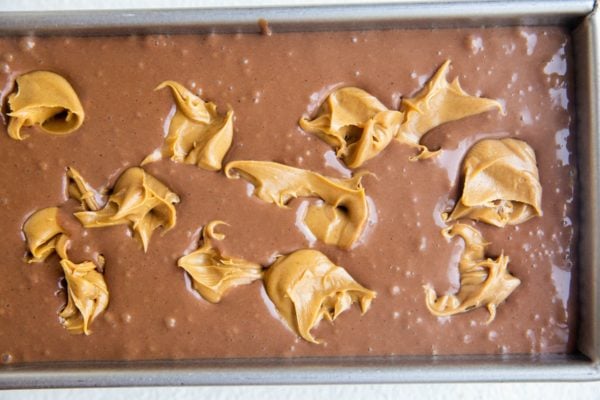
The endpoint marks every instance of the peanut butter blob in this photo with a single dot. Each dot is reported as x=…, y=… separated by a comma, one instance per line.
x=43, y=233
x=138, y=200
x=213, y=274
x=197, y=135
x=483, y=281
x=359, y=126
x=44, y=99
x=355, y=124
x=87, y=294
x=501, y=183
x=81, y=191
x=339, y=221
x=438, y=102
x=306, y=287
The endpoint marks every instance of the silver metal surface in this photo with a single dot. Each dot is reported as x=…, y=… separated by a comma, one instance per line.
x=585, y=365
x=414, y=14
x=586, y=38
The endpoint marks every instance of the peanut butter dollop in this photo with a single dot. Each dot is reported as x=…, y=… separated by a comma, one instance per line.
x=306, y=286
x=86, y=289
x=213, y=274
x=87, y=295
x=81, y=191
x=354, y=123
x=359, y=126
x=198, y=135
x=483, y=281
x=501, y=183
x=43, y=233
x=437, y=103
x=339, y=221
x=44, y=99
x=139, y=200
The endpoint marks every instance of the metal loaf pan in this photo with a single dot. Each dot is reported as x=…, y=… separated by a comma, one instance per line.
x=578, y=15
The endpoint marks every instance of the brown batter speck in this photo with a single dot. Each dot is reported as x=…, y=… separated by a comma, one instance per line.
x=265, y=29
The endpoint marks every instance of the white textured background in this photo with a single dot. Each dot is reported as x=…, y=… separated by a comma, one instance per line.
x=505, y=391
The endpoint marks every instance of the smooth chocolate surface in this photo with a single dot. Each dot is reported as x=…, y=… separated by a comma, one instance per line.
x=270, y=82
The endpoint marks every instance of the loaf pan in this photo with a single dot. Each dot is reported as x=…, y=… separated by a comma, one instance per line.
x=578, y=16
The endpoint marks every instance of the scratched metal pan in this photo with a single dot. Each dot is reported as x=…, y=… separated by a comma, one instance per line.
x=579, y=16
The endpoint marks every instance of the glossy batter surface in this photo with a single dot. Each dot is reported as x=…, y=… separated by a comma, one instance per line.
x=270, y=82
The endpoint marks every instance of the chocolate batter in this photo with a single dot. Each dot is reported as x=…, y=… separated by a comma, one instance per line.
x=270, y=82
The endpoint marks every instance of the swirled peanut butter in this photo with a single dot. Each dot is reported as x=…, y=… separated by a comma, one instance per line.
x=306, y=287
x=47, y=100
x=439, y=102
x=354, y=123
x=197, y=133
x=501, y=183
x=43, y=233
x=87, y=294
x=139, y=200
x=213, y=273
x=339, y=221
x=483, y=280
x=81, y=191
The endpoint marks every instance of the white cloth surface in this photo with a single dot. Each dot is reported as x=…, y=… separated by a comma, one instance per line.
x=445, y=391
x=31, y=5
x=466, y=391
